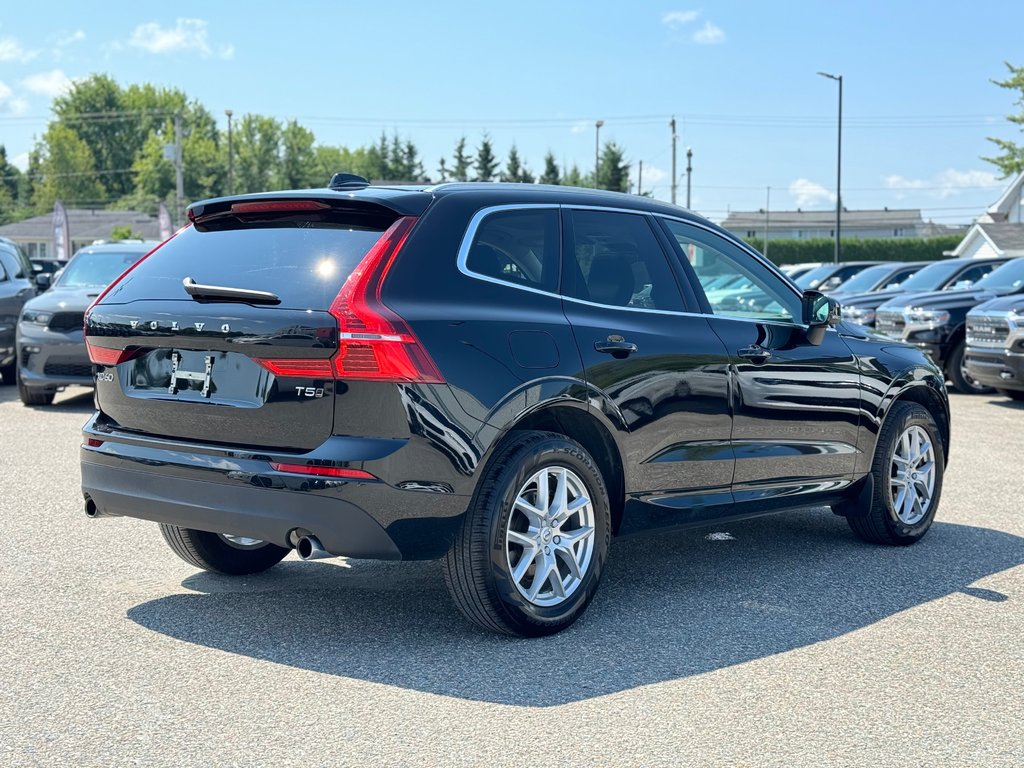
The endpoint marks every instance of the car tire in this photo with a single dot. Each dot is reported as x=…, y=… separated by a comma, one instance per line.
x=219, y=553
x=957, y=373
x=491, y=573
x=1013, y=394
x=9, y=373
x=909, y=456
x=34, y=395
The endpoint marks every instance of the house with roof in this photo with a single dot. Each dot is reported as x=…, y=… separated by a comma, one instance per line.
x=1000, y=230
x=802, y=225
x=35, y=235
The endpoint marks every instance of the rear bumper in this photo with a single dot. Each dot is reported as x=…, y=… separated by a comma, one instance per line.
x=239, y=493
x=996, y=368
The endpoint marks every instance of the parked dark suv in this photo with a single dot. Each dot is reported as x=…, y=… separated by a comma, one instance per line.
x=16, y=287
x=51, y=350
x=502, y=376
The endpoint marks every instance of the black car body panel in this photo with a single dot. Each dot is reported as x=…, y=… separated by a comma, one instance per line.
x=687, y=426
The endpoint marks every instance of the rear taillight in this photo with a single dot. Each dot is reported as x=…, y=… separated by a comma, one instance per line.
x=278, y=206
x=374, y=342
x=342, y=473
x=107, y=356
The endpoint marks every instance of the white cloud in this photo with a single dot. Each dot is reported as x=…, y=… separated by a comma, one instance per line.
x=69, y=39
x=709, y=34
x=653, y=175
x=945, y=184
x=677, y=19
x=581, y=126
x=9, y=103
x=20, y=161
x=809, y=194
x=50, y=84
x=187, y=35
x=12, y=50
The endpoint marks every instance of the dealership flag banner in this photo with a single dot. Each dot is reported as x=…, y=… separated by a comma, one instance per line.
x=61, y=232
x=164, y=219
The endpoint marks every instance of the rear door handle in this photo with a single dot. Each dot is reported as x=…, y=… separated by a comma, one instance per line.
x=755, y=352
x=616, y=346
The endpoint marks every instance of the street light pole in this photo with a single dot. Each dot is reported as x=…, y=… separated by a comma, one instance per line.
x=689, y=170
x=597, y=148
x=672, y=125
x=839, y=166
x=231, y=158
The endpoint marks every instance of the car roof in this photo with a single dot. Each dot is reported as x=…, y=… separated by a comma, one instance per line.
x=132, y=246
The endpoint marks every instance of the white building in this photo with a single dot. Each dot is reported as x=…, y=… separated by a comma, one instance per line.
x=1000, y=230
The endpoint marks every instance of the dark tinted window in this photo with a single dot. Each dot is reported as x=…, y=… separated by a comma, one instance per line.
x=974, y=274
x=619, y=262
x=16, y=264
x=304, y=262
x=520, y=247
x=932, y=277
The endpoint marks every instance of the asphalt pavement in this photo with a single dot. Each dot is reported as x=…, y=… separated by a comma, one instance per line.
x=787, y=643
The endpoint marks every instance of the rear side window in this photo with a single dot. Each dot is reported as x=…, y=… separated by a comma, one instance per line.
x=619, y=262
x=519, y=247
x=305, y=261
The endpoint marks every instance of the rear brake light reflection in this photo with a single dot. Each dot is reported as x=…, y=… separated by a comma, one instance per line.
x=337, y=472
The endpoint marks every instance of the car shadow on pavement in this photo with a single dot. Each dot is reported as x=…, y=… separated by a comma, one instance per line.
x=74, y=400
x=670, y=606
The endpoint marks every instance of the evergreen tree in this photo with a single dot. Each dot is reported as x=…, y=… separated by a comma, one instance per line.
x=612, y=170
x=442, y=171
x=515, y=171
x=298, y=168
x=1011, y=161
x=573, y=178
x=486, y=163
x=550, y=175
x=460, y=170
x=10, y=184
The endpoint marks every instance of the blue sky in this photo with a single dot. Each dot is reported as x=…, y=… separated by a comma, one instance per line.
x=738, y=76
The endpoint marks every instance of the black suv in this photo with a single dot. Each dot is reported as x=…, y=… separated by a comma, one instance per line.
x=16, y=288
x=935, y=321
x=504, y=376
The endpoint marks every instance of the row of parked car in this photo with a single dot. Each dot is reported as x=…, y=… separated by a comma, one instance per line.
x=967, y=314
x=42, y=308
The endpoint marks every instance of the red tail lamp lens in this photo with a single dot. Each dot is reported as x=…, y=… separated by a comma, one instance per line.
x=278, y=206
x=107, y=356
x=337, y=472
x=317, y=369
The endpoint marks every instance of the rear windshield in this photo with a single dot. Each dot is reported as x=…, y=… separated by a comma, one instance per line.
x=815, y=276
x=304, y=262
x=97, y=268
x=866, y=279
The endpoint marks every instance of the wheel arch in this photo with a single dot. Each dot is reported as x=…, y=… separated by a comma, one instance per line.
x=929, y=393
x=579, y=423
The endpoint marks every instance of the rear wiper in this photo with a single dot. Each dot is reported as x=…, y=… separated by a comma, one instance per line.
x=227, y=293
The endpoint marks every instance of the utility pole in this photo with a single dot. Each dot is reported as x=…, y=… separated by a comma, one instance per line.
x=672, y=125
x=640, y=179
x=597, y=148
x=689, y=170
x=839, y=166
x=231, y=156
x=179, y=181
x=767, y=219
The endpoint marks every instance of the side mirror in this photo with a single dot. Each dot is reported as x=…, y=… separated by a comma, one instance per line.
x=820, y=313
x=43, y=280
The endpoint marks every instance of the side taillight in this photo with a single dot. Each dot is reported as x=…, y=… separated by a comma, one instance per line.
x=374, y=343
x=108, y=356
x=342, y=473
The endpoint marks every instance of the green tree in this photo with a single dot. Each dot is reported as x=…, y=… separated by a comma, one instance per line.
x=486, y=164
x=515, y=171
x=68, y=171
x=124, y=232
x=573, y=178
x=442, y=171
x=256, y=153
x=298, y=168
x=612, y=169
x=1011, y=159
x=460, y=168
x=10, y=186
x=551, y=174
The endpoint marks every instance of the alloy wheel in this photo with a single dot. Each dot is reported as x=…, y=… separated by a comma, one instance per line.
x=549, y=539
x=912, y=475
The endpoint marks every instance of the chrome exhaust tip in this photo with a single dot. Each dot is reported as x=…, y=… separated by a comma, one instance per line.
x=310, y=548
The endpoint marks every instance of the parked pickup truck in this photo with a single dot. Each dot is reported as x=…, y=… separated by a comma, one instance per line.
x=934, y=322
x=995, y=345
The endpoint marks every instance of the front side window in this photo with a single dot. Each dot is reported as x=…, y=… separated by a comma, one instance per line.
x=617, y=261
x=736, y=284
x=519, y=247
